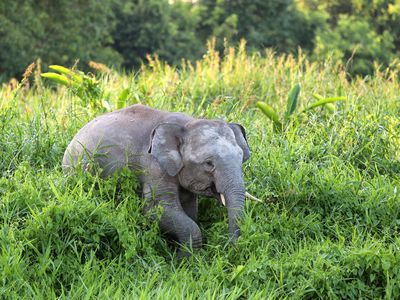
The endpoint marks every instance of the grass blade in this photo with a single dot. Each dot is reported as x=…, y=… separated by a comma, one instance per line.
x=123, y=96
x=237, y=272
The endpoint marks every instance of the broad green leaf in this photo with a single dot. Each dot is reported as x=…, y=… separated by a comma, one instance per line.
x=334, y=99
x=330, y=107
x=57, y=78
x=292, y=100
x=325, y=101
x=317, y=96
x=68, y=72
x=270, y=113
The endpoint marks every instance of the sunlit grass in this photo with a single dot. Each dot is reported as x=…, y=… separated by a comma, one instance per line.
x=330, y=181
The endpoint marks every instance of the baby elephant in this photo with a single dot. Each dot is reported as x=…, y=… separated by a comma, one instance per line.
x=179, y=157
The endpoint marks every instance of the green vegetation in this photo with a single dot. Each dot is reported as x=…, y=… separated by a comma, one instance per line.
x=56, y=32
x=123, y=32
x=291, y=106
x=329, y=227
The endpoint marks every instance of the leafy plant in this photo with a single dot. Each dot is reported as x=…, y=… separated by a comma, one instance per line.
x=326, y=102
x=290, y=108
x=85, y=86
x=292, y=102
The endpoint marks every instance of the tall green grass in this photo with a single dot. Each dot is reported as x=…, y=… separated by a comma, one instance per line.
x=329, y=227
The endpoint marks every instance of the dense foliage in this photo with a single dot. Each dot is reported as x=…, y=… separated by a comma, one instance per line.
x=55, y=31
x=329, y=227
x=124, y=31
x=155, y=26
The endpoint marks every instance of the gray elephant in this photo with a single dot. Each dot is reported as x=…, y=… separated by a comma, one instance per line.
x=180, y=156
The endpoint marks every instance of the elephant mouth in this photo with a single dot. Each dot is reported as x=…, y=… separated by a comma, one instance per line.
x=211, y=191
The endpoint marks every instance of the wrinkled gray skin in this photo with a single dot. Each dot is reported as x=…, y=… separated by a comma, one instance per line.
x=181, y=157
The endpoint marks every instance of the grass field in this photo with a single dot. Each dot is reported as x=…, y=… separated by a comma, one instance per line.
x=329, y=227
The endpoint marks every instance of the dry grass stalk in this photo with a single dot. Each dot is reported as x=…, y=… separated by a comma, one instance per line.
x=12, y=84
x=102, y=68
x=75, y=66
x=36, y=75
x=28, y=72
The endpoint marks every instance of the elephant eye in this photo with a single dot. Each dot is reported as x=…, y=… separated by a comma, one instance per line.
x=209, y=164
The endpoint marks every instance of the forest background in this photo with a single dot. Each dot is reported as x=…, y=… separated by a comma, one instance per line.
x=121, y=33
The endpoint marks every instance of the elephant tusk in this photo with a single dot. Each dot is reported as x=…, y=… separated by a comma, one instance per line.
x=251, y=197
x=223, y=199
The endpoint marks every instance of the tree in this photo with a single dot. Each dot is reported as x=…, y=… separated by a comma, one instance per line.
x=277, y=24
x=156, y=27
x=361, y=32
x=58, y=31
x=353, y=38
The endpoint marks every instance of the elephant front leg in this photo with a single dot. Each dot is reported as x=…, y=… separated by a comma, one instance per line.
x=189, y=203
x=174, y=221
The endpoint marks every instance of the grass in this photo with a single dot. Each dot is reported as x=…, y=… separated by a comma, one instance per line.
x=330, y=231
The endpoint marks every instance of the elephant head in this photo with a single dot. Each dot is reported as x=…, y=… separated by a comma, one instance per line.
x=206, y=157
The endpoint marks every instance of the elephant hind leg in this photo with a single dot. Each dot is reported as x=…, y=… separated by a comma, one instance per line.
x=176, y=223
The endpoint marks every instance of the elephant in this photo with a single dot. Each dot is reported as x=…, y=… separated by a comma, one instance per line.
x=179, y=158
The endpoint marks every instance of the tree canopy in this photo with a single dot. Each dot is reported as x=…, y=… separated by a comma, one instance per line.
x=123, y=32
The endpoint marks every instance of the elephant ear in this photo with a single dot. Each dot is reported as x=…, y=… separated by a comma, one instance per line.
x=240, y=135
x=164, y=146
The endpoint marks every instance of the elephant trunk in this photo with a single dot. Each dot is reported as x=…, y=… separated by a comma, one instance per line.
x=232, y=190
